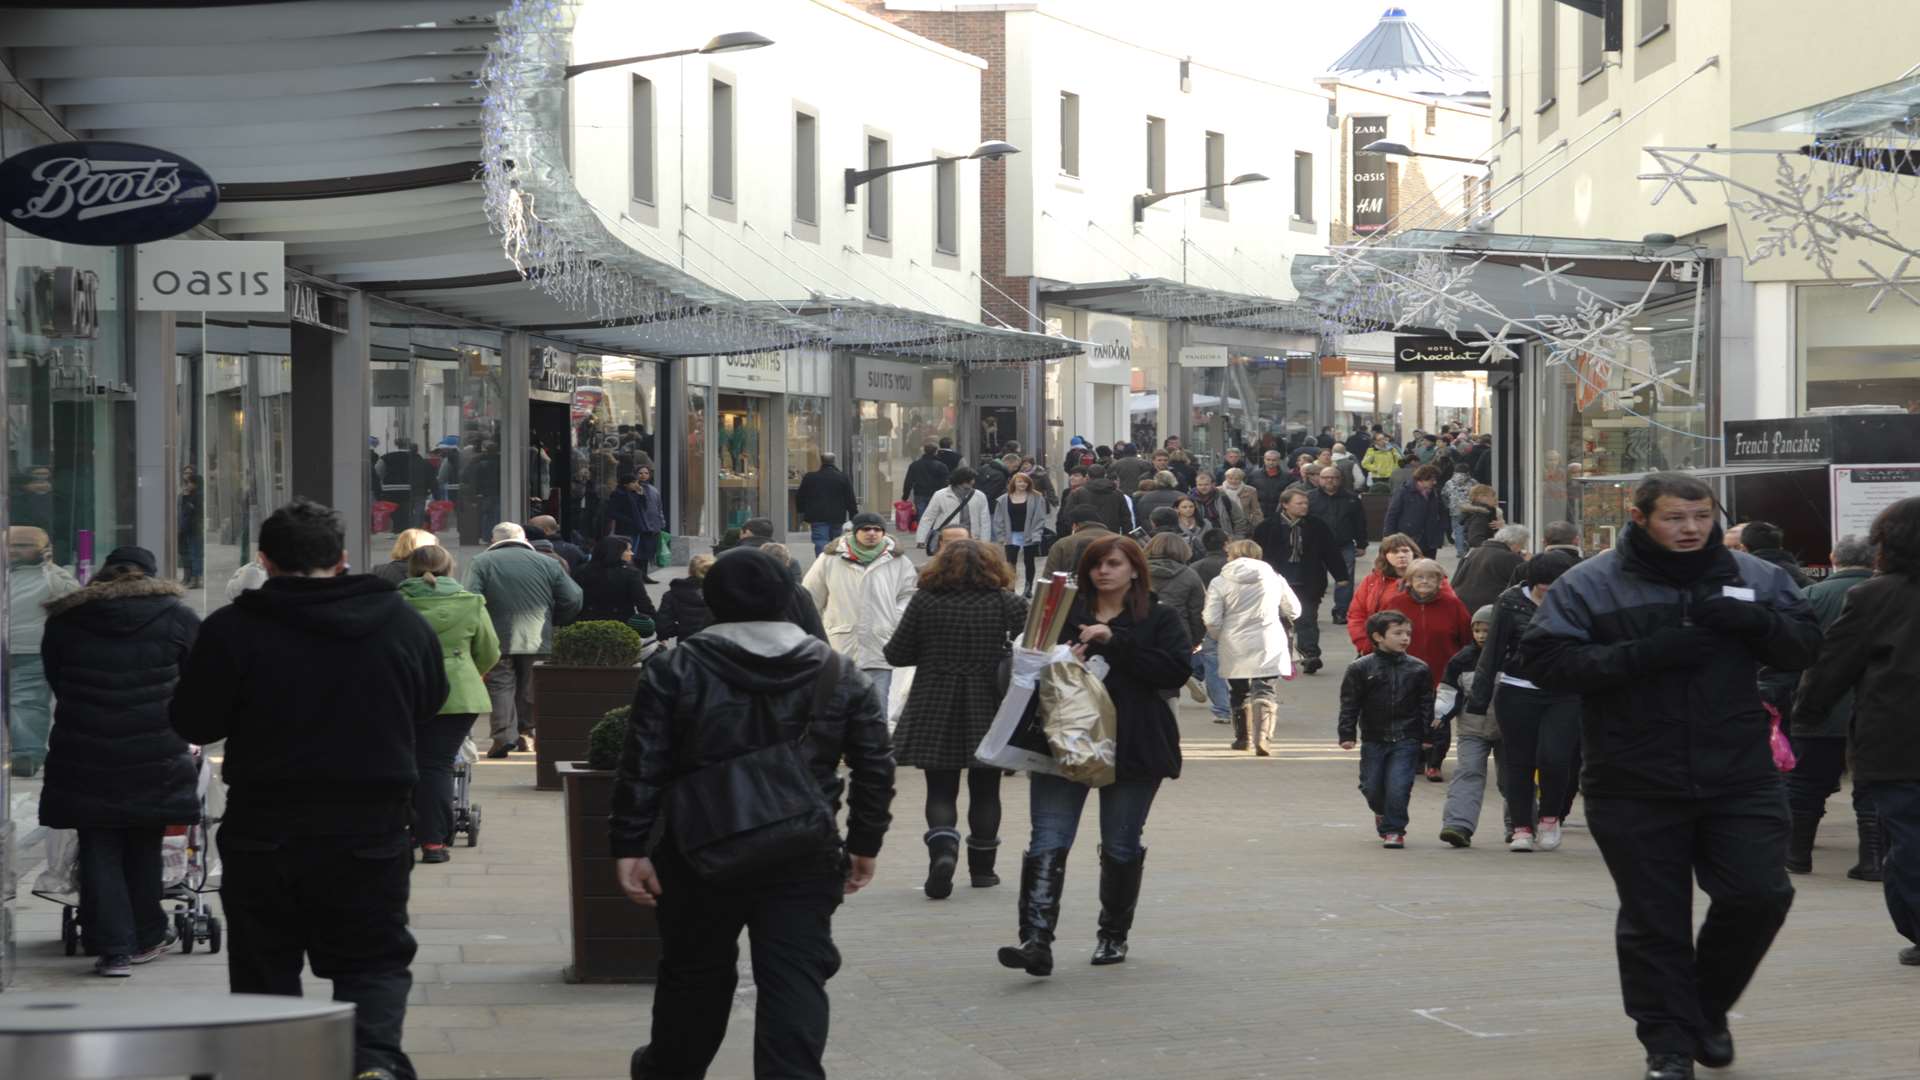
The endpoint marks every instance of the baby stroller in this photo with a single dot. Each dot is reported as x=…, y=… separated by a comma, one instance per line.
x=188, y=872
x=466, y=812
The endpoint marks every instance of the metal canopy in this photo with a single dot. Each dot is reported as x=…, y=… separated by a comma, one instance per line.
x=1876, y=111
x=1397, y=49
x=867, y=326
x=1160, y=298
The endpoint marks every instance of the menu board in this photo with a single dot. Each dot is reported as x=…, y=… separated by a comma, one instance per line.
x=1860, y=492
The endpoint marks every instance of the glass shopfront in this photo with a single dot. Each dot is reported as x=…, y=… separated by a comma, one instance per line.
x=1462, y=398
x=806, y=441
x=1365, y=398
x=1149, y=418
x=1849, y=357
x=901, y=406
x=612, y=422
x=1256, y=402
x=438, y=407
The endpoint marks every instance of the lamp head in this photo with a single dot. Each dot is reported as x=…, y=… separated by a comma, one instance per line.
x=993, y=150
x=736, y=41
x=1386, y=146
x=1247, y=178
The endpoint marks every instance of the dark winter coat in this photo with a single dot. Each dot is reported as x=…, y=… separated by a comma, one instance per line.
x=1106, y=500
x=1672, y=706
x=1479, y=522
x=1345, y=515
x=1827, y=599
x=1208, y=567
x=1870, y=650
x=1485, y=573
x=1064, y=556
x=113, y=652
x=1386, y=697
x=954, y=639
x=1146, y=657
x=826, y=497
x=1145, y=505
x=1422, y=517
x=683, y=611
x=924, y=477
x=1784, y=560
x=741, y=687
x=615, y=593
x=991, y=479
x=1320, y=560
x=1268, y=488
x=1513, y=612
x=1179, y=588
x=1127, y=471
x=319, y=686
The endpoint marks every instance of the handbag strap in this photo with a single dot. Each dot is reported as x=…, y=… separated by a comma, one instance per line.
x=955, y=514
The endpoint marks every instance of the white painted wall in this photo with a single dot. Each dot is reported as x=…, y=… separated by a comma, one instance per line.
x=858, y=74
x=1121, y=82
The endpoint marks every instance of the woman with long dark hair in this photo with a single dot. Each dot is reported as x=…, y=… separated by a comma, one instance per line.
x=611, y=589
x=955, y=632
x=1145, y=645
x=1370, y=594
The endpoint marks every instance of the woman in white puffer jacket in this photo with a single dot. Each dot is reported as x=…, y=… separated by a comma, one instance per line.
x=1245, y=604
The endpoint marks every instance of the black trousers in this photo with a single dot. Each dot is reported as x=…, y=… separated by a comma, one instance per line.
x=1674, y=987
x=1898, y=802
x=1014, y=555
x=789, y=925
x=1539, y=731
x=120, y=910
x=434, y=747
x=1306, y=628
x=983, y=803
x=339, y=903
x=1819, y=764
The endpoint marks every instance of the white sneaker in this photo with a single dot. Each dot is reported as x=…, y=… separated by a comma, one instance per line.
x=1522, y=840
x=1549, y=838
x=1199, y=691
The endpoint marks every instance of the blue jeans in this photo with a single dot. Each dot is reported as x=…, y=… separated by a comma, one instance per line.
x=822, y=536
x=1386, y=779
x=1343, y=594
x=1206, y=668
x=1054, y=804
x=882, y=679
x=1899, y=804
x=1306, y=628
x=1460, y=537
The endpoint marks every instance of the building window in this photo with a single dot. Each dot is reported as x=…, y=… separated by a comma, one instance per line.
x=1433, y=119
x=1302, y=185
x=946, y=208
x=1506, y=58
x=806, y=169
x=640, y=125
x=1656, y=16
x=722, y=135
x=1156, y=155
x=1216, y=170
x=1593, y=37
x=1070, y=134
x=878, y=211
x=1549, y=53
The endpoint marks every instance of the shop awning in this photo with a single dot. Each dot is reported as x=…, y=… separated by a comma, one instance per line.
x=1175, y=301
x=1724, y=472
x=868, y=326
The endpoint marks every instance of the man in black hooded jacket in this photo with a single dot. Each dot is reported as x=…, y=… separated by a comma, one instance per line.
x=746, y=684
x=319, y=681
x=1663, y=637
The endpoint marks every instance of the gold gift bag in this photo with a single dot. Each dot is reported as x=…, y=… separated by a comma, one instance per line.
x=1078, y=718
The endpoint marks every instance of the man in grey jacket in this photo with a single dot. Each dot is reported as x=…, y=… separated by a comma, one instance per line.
x=527, y=593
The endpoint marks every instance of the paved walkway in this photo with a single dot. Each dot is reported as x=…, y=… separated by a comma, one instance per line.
x=1275, y=939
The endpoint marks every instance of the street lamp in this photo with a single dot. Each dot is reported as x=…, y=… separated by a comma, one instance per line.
x=1403, y=150
x=1141, y=202
x=736, y=41
x=992, y=150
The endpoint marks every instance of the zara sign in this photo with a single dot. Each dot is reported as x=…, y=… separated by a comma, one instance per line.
x=104, y=193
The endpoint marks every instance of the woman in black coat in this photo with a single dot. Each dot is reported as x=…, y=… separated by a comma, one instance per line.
x=1149, y=656
x=683, y=611
x=955, y=633
x=610, y=587
x=1417, y=511
x=116, y=772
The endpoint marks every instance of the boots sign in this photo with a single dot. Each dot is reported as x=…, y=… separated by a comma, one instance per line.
x=211, y=275
x=104, y=193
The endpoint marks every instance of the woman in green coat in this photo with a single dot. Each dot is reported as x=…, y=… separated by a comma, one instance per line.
x=470, y=648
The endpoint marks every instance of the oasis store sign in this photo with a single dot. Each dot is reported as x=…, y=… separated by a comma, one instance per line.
x=104, y=193
x=211, y=275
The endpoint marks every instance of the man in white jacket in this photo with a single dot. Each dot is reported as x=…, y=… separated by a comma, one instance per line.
x=956, y=506
x=861, y=583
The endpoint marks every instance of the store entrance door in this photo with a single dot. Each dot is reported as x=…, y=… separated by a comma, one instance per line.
x=549, y=457
x=740, y=440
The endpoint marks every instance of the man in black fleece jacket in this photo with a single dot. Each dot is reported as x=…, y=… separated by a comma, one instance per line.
x=318, y=681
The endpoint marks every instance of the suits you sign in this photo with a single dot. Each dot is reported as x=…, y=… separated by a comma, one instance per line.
x=104, y=193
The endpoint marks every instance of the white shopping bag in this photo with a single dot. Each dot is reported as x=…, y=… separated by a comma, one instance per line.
x=1443, y=699
x=60, y=881
x=1016, y=740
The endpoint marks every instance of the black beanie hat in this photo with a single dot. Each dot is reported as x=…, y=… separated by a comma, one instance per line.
x=745, y=585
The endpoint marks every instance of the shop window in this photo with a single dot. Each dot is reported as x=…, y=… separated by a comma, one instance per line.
x=1847, y=359
x=1070, y=134
x=640, y=127
x=740, y=440
x=806, y=439
x=615, y=414
x=1216, y=193
x=1156, y=155
x=888, y=436
x=694, y=519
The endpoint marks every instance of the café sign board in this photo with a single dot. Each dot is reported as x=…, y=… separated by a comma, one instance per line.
x=1773, y=442
x=104, y=193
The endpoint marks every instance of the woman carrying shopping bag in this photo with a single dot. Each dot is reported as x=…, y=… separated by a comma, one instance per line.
x=1244, y=609
x=1145, y=646
x=470, y=649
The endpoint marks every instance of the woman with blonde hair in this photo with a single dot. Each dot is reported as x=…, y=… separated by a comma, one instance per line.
x=954, y=634
x=394, y=571
x=1397, y=552
x=1480, y=515
x=1243, y=612
x=469, y=647
x=683, y=611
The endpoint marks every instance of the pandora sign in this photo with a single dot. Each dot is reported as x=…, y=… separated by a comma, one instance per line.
x=104, y=193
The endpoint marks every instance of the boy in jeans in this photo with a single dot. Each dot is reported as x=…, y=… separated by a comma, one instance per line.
x=1387, y=698
x=1479, y=741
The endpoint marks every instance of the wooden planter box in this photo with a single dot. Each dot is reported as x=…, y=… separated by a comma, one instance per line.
x=614, y=939
x=567, y=702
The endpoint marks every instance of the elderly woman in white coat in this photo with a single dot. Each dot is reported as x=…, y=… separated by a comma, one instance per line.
x=1243, y=613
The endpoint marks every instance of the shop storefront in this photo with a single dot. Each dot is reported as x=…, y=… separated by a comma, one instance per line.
x=592, y=417
x=1092, y=395
x=899, y=407
x=754, y=424
x=1850, y=358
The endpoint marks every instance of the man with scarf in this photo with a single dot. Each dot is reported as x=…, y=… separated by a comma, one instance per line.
x=1219, y=509
x=861, y=583
x=1300, y=548
x=1663, y=637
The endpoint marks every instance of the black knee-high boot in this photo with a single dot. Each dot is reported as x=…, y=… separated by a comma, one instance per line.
x=1042, y=876
x=1872, y=851
x=1119, y=895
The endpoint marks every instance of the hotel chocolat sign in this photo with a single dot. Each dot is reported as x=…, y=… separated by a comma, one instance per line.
x=1444, y=354
x=1767, y=442
x=1369, y=175
x=104, y=193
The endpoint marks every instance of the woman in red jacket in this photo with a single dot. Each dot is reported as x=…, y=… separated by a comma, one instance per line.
x=1397, y=552
x=1442, y=626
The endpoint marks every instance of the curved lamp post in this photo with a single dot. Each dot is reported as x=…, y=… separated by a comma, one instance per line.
x=993, y=150
x=1141, y=202
x=1383, y=146
x=736, y=41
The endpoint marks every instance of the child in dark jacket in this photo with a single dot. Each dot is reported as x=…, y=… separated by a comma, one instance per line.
x=1434, y=748
x=1386, y=699
x=683, y=611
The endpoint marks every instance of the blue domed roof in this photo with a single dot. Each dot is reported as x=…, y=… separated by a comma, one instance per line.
x=1397, y=51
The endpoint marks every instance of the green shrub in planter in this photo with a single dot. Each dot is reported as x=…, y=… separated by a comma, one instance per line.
x=603, y=644
x=607, y=739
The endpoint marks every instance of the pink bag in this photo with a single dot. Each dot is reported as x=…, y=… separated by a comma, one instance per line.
x=1783, y=758
x=904, y=517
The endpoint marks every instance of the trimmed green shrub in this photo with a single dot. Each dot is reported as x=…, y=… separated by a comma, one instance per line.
x=602, y=643
x=607, y=738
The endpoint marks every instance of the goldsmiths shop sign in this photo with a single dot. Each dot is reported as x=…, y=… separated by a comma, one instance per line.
x=104, y=193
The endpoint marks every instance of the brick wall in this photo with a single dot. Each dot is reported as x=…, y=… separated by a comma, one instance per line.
x=982, y=34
